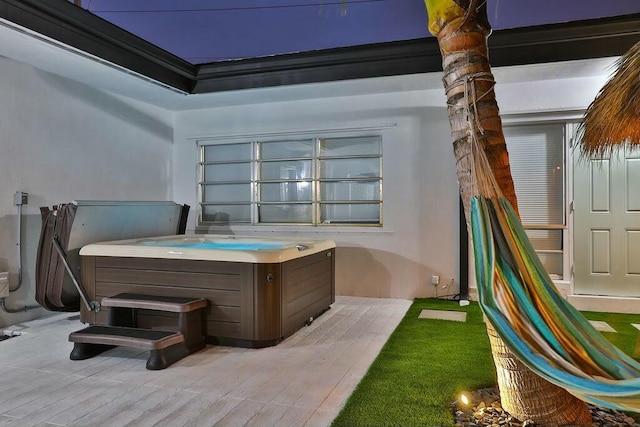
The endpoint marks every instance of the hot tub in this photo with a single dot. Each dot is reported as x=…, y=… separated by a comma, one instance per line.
x=260, y=290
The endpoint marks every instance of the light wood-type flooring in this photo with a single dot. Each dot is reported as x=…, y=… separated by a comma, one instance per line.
x=303, y=381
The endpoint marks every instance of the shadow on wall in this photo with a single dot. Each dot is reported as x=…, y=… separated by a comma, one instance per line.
x=8, y=225
x=380, y=274
x=110, y=104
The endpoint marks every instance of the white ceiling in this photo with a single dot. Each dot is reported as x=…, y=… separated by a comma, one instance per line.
x=49, y=55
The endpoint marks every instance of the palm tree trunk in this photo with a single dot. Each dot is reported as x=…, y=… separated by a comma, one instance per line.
x=473, y=113
x=528, y=396
x=472, y=108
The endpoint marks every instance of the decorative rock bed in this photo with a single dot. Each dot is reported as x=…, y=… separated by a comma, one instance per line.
x=484, y=409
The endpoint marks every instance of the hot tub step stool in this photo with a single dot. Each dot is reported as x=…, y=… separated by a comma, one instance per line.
x=165, y=348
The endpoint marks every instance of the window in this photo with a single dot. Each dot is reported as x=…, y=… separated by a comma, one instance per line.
x=315, y=181
x=537, y=158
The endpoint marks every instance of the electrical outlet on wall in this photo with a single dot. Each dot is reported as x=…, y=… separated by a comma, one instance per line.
x=435, y=280
x=20, y=198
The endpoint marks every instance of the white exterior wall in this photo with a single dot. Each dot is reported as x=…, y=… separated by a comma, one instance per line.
x=61, y=141
x=548, y=96
x=420, y=233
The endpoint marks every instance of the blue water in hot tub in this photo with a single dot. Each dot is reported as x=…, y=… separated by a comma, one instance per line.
x=232, y=246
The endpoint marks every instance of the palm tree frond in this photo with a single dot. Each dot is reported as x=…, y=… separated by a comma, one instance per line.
x=612, y=121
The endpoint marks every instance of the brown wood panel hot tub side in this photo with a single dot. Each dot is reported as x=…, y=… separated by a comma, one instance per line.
x=250, y=304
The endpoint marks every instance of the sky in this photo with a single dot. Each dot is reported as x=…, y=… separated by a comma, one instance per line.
x=203, y=31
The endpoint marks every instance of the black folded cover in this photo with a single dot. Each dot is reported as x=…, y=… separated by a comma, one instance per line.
x=55, y=290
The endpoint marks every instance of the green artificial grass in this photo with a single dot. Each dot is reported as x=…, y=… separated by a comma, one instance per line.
x=427, y=363
x=626, y=337
x=421, y=369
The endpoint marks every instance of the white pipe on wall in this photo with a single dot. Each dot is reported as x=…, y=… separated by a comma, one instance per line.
x=20, y=198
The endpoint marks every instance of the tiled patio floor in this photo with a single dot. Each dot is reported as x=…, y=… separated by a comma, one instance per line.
x=303, y=381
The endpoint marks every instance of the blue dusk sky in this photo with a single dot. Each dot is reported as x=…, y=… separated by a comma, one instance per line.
x=202, y=31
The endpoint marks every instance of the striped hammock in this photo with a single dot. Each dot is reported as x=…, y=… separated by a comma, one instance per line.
x=540, y=327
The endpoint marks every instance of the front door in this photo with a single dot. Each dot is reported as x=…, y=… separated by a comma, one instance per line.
x=607, y=225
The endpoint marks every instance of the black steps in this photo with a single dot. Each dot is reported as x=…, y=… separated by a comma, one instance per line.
x=145, y=339
x=155, y=302
x=165, y=348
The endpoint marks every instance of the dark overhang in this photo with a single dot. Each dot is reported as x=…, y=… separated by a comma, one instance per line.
x=73, y=26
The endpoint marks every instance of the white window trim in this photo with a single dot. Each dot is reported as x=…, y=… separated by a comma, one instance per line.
x=365, y=130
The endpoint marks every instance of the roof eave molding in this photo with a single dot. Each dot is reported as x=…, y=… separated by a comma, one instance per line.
x=62, y=21
x=73, y=26
x=588, y=39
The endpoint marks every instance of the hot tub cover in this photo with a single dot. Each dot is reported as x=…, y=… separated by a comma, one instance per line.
x=79, y=223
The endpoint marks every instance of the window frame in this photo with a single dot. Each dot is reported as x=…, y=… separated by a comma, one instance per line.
x=569, y=122
x=317, y=203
